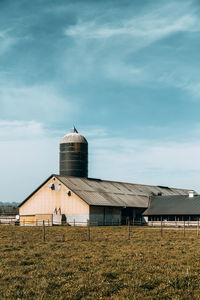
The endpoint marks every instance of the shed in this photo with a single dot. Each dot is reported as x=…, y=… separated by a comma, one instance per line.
x=173, y=208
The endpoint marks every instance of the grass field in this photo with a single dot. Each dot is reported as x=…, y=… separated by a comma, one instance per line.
x=109, y=266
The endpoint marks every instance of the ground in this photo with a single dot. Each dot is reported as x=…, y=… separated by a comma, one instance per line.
x=109, y=266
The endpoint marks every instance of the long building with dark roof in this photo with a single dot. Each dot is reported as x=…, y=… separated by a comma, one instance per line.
x=173, y=208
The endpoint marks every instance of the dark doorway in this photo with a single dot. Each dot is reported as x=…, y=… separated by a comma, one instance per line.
x=127, y=214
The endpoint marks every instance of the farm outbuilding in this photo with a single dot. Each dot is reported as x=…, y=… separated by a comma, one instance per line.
x=173, y=209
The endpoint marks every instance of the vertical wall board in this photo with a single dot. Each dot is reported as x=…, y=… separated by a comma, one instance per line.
x=27, y=220
x=43, y=217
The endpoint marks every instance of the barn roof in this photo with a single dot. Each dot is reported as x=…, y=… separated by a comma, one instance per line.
x=112, y=193
x=173, y=205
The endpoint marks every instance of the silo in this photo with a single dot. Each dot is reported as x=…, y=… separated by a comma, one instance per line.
x=74, y=155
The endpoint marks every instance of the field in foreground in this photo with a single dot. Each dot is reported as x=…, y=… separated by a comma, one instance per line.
x=109, y=266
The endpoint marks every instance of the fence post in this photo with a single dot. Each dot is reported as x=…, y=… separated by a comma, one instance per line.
x=74, y=222
x=184, y=228
x=43, y=227
x=161, y=229
x=88, y=229
x=128, y=229
x=198, y=227
x=63, y=237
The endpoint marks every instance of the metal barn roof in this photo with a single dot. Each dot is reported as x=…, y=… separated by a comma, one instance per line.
x=111, y=193
x=173, y=205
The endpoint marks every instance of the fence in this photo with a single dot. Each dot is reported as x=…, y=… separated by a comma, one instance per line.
x=83, y=232
x=11, y=220
x=166, y=223
x=78, y=223
x=88, y=231
x=6, y=220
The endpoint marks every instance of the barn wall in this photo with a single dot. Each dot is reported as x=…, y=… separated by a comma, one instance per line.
x=103, y=215
x=27, y=220
x=36, y=220
x=46, y=218
x=48, y=202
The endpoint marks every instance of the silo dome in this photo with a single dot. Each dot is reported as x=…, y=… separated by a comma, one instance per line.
x=74, y=155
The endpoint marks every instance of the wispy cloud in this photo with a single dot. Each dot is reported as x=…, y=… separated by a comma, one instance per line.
x=192, y=87
x=183, y=79
x=160, y=21
x=35, y=102
x=7, y=41
x=143, y=27
x=12, y=130
x=106, y=44
x=151, y=162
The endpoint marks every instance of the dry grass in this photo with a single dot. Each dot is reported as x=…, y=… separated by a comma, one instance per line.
x=67, y=266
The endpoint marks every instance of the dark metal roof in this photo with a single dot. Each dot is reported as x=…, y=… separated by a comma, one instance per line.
x=112, y=193
x=173, y=205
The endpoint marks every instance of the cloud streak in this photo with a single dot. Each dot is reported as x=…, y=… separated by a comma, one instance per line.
x=7, y=41
x=13, y=130
x=109, y=44
x=146, y=27
x=149, y=162
x=38, y=102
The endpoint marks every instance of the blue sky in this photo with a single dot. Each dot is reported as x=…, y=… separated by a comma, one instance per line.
x=126, y=73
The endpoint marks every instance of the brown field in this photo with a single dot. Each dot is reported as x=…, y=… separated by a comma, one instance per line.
x=109, y=266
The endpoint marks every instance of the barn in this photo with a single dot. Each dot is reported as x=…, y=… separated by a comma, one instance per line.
x=71, y=197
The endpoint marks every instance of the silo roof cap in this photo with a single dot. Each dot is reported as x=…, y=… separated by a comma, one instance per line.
x=73, y=137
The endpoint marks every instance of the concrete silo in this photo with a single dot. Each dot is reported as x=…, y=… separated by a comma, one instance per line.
x=74, y=155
